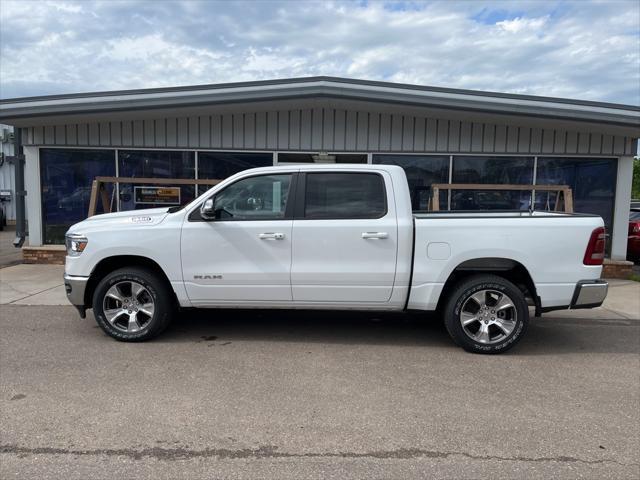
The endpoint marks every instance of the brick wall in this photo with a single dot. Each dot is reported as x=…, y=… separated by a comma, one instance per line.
x=47, y=254
x=617, y=269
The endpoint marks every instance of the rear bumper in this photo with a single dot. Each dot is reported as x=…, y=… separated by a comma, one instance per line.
x=75, y=288
x=586, y=294
x=589, y=294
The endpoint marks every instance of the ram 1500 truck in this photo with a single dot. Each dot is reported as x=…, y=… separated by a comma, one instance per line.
x=333, y=237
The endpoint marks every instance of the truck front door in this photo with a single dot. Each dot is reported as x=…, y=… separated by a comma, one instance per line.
x=244, y=254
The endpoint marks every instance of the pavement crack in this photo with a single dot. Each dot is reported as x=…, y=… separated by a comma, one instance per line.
x=31, y=294
x=269, y=451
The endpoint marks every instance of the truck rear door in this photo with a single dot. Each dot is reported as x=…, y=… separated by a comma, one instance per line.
x=345, y=237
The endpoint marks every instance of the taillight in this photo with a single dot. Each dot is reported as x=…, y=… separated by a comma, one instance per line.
x=634, y=228
x=595, y=248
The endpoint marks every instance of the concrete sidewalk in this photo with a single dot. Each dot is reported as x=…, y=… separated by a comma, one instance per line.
x=43, y=285
x=32, y=285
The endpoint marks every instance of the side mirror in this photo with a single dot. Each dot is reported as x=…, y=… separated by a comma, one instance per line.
x=207, y=210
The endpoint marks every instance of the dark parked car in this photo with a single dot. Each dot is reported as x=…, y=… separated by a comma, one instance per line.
x=633, y=242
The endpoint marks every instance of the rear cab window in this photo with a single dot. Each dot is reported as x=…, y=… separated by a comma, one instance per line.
x=344, y=195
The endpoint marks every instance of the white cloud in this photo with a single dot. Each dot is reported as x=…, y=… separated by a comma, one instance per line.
x=518, y=24
x=581, y=50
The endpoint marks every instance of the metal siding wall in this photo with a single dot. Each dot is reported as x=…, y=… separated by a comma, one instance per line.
x=419, y=133
x=454, y=135
x=500, y=139
x=138, y=133
x=572, y=142
x=216, y=131
x=149, y=133
x=193, y=128
x=442, y=139
x=294, y=129
x=583, y=142
x=272, y=130
x=351, y=131
x=116, y=133
x=362, y=138
x=283, y=130
x=327, y=129
x=8, y=175
x=330, y=129
x=316, y=129
x=465, y=136
x=249, y=131
x=512, y=139
x=339, y=129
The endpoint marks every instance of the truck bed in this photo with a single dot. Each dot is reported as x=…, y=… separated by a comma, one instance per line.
x=549, y=245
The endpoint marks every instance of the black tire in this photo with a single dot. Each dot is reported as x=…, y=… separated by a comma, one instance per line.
x=156, y=288
x=516, y=316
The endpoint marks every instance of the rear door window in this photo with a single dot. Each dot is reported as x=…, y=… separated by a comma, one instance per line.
x=344, y=196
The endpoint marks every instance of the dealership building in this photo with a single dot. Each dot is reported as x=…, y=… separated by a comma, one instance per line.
x=438, y=135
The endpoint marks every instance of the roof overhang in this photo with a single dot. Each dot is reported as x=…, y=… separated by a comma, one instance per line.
x=34, y=110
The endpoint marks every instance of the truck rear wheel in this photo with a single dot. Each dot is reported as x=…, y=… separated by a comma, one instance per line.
x=486, y=314
x=133, y=304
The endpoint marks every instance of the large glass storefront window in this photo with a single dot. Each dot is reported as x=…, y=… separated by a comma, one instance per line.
x=66, y=177
x=496, y=170
x=220, y=165
x=155, y=164
x=593, y=181
x=322, y=158
x=422, y=171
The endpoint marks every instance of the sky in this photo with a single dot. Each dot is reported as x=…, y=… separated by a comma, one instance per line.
x=587, y=50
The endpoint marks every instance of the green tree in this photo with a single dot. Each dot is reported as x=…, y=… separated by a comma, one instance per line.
x=635, y=187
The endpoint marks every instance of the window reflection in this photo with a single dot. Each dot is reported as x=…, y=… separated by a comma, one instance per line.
x=66, y=177
x=154, y=164
x=496, y=170
x=220, y=165
x=422, y=171
x=593, y=181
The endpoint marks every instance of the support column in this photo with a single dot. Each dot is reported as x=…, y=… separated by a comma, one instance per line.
x=621, y=209
x=34, y=194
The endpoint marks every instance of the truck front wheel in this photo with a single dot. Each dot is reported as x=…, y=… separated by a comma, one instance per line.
x=486, y=314
x=132, y=304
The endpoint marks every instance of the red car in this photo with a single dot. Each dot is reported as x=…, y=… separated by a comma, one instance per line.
x=633, y=242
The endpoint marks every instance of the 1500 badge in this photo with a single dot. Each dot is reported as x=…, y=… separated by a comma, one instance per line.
x=207, y=277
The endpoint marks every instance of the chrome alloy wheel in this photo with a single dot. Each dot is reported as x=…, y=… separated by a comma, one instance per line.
x=128, y=306
x=488, y=316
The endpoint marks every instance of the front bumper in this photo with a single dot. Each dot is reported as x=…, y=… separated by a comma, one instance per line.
x=75, y=288
x=589, y=294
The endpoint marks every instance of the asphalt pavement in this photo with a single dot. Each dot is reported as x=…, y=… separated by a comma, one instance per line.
x=255, y=394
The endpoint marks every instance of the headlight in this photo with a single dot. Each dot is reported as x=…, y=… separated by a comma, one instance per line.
x=75, y=244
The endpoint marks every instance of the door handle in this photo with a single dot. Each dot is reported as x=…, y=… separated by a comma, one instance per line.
x=271, y=236
x=374, y=235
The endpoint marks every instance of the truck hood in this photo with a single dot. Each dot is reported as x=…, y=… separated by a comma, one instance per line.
x=147, y=217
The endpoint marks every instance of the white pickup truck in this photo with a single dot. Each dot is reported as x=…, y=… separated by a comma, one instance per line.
x=333, y=237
